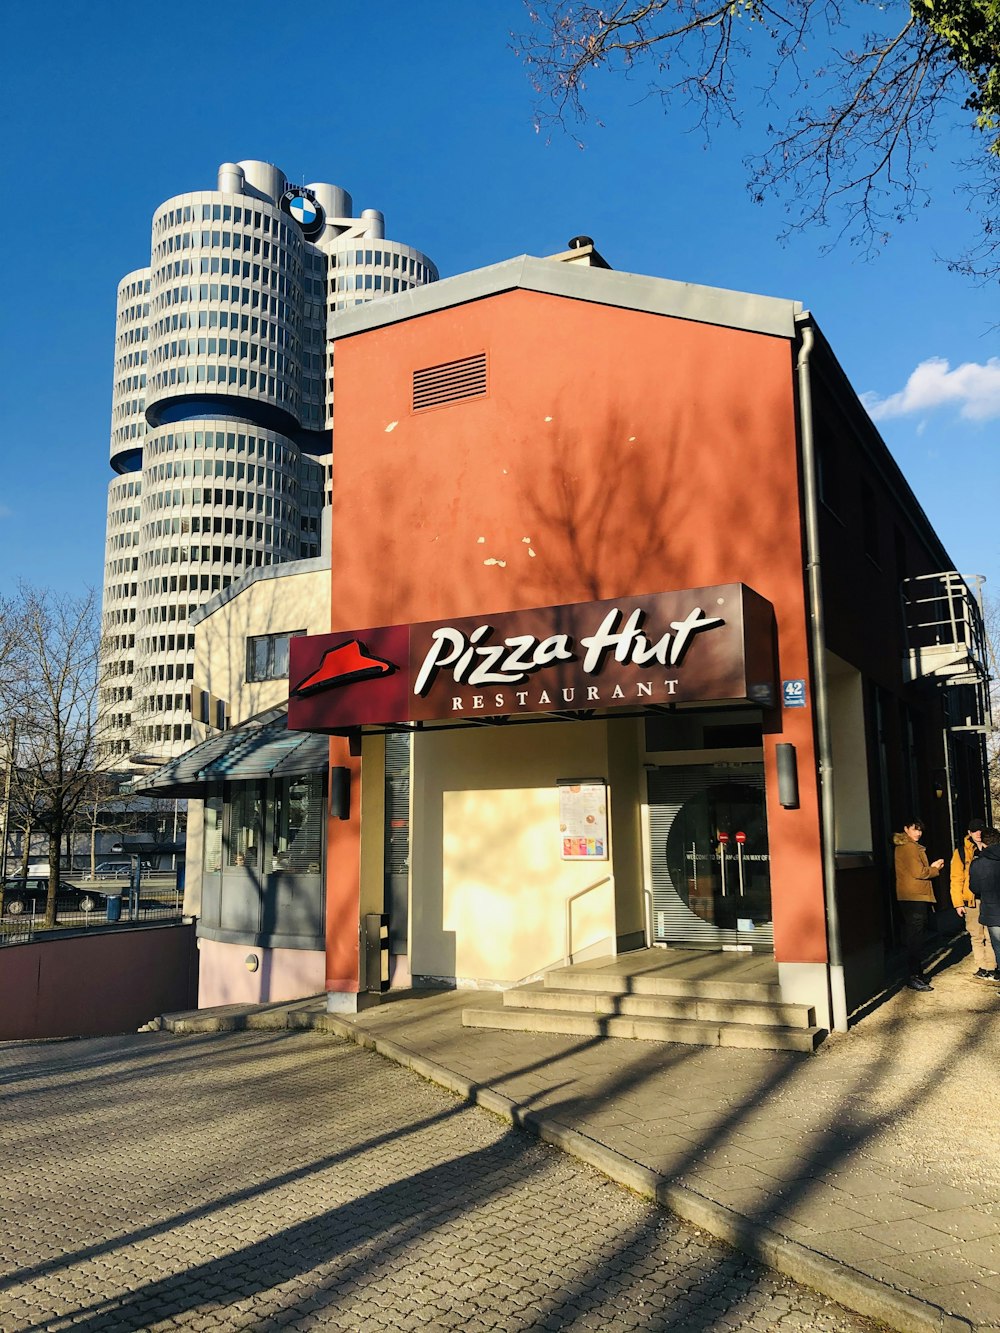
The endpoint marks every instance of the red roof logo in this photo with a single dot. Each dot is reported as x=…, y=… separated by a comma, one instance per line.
x=343, y=665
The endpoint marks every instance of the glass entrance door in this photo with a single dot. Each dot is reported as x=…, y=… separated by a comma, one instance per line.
x=709, y=856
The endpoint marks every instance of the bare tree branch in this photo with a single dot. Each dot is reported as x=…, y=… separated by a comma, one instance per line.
x=50, y=688
x=867, y=109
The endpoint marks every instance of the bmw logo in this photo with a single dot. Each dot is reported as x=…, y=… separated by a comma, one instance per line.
x=302, y=208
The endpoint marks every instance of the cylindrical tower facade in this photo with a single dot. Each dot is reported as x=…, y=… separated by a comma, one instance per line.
x=121, y=557
x=128, y=393
x=121, y=579
x=221, y=417
x=225, y=310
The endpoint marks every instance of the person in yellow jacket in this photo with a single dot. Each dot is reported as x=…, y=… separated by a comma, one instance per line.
x=915, y=894
x=966, y=904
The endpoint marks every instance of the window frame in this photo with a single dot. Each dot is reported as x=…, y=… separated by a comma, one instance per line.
x=275, y=648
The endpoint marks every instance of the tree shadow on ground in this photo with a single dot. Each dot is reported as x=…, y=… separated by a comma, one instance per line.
x=464, y=1203
x=390, y=1224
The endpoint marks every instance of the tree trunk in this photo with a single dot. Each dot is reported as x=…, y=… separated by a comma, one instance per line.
x=27, y=830
x=55, y=840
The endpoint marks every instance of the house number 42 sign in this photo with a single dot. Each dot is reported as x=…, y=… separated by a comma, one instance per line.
x=793, y=693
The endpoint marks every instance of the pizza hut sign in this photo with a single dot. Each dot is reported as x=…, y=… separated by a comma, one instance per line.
x=700, y=644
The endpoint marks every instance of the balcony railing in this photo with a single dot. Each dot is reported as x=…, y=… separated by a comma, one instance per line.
x=944, y=627
x=946, y=638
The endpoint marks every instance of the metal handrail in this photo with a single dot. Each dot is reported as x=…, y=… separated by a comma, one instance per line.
x=608, y=879
x=954, y=615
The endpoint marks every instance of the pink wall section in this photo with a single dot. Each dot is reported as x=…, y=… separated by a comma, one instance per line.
x=283, y=974
x=97, y=984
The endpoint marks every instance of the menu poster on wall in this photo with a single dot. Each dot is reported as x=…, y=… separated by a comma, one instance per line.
x=583, y=819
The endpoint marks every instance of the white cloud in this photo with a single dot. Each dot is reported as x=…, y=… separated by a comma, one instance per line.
x=973, y=388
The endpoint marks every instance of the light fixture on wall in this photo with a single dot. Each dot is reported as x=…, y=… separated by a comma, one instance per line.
x=340, y=793
x=788, y=776
x=252, y=962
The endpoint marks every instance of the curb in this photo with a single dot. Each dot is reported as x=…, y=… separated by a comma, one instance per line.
x=854, y=1290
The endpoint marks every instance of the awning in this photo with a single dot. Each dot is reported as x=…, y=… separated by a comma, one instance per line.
x=261, y=747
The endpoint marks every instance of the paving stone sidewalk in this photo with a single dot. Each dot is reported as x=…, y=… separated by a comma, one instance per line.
x=870, y=1169
x=265, y=1181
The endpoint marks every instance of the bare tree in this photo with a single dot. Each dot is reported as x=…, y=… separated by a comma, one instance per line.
x=857, y=112
x=51, y=691
x=9, y=643
x=101, y=808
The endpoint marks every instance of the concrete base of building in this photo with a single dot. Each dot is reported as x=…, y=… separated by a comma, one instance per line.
x=636, y=940
x=807, y=983
x=399, y=972
x=838, y=999
x=341, y=1002
x=250, y=974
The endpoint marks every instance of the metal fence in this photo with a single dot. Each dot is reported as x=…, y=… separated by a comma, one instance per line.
x=30, y=924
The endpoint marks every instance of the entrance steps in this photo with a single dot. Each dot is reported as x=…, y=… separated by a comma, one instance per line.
x=659, y=995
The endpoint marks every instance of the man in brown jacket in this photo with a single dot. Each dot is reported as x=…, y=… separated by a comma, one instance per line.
x=915, y=893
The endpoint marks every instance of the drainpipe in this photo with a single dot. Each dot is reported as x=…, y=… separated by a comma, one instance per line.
x=817, y=642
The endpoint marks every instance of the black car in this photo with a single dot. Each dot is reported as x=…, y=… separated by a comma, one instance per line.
x=30, y=895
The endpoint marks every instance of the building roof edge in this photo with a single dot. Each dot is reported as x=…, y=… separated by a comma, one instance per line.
x=771, y=315
x=260, y=573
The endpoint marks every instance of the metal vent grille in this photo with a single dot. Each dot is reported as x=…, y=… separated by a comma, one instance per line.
x=437, y=386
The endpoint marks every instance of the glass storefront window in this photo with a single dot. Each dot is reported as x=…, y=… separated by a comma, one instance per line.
x=212, y=841
x=397, y=838
x=246, y=825
x=297, y=825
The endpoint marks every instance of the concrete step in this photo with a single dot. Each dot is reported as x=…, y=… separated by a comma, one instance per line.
x=765, y=1013
x=244, y=1017
x=691, y=1032
x=574, y=978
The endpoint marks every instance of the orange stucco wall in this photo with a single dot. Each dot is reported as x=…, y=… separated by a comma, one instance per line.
x=616, y=452
x=343, y=878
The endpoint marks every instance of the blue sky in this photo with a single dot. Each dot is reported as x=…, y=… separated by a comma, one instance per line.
x=421, y=110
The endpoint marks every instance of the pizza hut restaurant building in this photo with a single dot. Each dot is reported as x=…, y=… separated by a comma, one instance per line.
x=618, y=656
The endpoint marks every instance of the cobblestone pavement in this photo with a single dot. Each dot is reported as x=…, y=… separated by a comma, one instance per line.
x=877, y=1154
x=291, y=1181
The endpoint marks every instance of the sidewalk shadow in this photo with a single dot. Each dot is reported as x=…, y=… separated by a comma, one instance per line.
x=385, y=1223
x=388, y=1226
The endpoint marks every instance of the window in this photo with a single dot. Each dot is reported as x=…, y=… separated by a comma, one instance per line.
x=899, y=547
x=267, y=655
x=297, y=826
x=828, y=475
x=869, y=522
x=212, y=843
x=246, y=825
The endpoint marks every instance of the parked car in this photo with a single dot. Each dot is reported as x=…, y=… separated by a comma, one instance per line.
x=30, y=895
x=118, y=869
